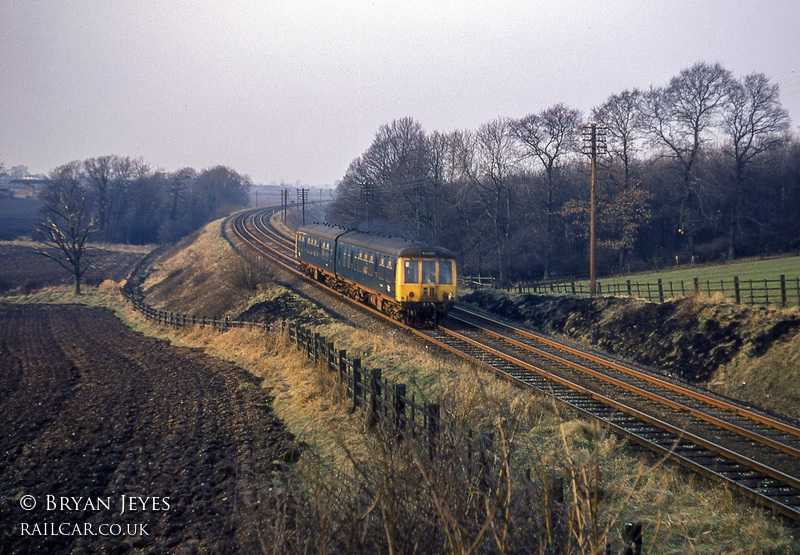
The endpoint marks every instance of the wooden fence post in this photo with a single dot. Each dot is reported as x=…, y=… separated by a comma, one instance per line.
x=375, y=395
x=696, y=286
x=485, y=453
x=342, y=364
x=356, y=381
x=736, y=292
x=632, y=539
x=330, y=357
x=660, y=291
x=400, y=409
x=797, y=289
x=554, y=501
x=783, y=290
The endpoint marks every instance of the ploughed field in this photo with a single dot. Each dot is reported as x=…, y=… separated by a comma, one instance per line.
x=23, y=270
x=92, y=410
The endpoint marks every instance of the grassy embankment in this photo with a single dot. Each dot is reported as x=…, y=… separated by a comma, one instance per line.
x=605, y=485
x=766, y=376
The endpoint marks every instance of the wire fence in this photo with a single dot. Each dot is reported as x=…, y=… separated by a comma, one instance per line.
x=384, y=402
x=783, y=291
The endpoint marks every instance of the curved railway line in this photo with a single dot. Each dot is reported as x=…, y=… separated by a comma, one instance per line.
x=757, y=454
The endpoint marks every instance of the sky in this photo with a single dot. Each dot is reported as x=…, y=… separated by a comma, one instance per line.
x=292, y=91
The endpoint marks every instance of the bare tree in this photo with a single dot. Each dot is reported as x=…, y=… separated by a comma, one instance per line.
x=66, y=220
x=548, y=137
x=217, y=192
x=678, y=119
x=390, y=179
x=490, y=169
x=107, y=177
x=405, y=179
x=438, y=148
x=621, y=114
x=754, y=122
x=179, y=183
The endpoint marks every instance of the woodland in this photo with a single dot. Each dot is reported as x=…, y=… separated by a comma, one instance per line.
x=703, y=168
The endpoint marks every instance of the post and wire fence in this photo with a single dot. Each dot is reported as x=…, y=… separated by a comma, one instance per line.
x=781, y=291
x=385, y=403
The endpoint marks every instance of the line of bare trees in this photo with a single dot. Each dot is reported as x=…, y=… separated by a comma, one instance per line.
x=135, y=204
x=702, y=168
x=122, y=200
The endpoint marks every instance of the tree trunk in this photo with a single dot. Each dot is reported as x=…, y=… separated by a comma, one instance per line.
x=734, y=213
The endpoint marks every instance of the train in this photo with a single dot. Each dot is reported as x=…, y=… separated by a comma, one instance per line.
x=410, y=281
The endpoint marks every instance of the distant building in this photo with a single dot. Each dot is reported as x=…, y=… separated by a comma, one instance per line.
x=27, y=186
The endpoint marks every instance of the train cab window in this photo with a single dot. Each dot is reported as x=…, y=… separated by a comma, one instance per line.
x=428, y=271
x=411, y=273
x=446, y=272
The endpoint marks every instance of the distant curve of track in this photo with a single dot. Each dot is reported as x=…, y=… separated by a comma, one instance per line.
x=757, y=454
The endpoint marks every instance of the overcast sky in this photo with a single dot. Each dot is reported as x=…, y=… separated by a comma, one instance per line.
x=295, y=90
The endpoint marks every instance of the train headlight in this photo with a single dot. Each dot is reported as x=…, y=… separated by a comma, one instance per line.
x=411, y=295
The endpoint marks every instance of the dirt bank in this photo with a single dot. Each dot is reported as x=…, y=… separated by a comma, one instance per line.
x=702, y=340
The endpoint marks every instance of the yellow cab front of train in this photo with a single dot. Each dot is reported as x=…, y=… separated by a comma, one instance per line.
x=427, y=278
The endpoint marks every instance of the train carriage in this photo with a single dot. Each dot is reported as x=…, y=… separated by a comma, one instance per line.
x=409, y=280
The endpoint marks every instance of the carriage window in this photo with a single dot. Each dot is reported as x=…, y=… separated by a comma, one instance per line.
x=411, y=274
x=428, y=271
x=446, y=272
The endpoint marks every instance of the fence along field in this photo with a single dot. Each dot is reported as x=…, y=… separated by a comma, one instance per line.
x=742, y=283
x=406, y=418
x=385, y=401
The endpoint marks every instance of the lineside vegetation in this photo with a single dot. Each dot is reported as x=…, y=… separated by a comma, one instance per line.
x=354, y=488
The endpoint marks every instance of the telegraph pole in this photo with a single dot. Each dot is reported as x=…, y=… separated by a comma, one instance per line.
x=594, y=142
x=302, y=195
x=284, y=202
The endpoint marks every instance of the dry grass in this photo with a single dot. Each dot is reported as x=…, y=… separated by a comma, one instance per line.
x=352, y=475
x=687, y=514
x=771, y=381
x=605, y=485
x=109, y=247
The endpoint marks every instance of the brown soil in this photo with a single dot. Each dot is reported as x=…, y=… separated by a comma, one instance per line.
x=91, y=409
x=23, y=270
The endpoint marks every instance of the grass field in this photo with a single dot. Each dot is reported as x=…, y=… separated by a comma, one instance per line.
x=759, y=282
x=744, y=270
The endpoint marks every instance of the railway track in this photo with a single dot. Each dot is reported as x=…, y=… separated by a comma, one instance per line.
x=252, y=231
x=755, y=453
